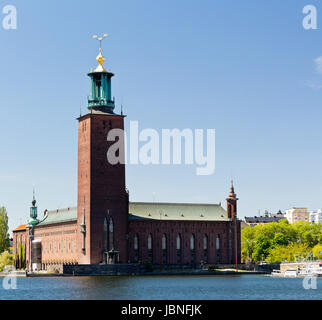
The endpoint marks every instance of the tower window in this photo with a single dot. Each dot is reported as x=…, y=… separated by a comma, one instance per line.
x=111, y=234
x=105, y=230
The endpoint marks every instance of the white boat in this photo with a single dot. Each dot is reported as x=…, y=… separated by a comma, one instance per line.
x=311, y=270
x=277, y=273
x=291, y=273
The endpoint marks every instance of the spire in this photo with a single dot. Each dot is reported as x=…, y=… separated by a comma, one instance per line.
x=33, y=198
x=100, y=58
x=232, y=194
x=232, y=203
x=33, y=212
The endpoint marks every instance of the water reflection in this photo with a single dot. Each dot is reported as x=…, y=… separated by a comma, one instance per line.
x=161, y=288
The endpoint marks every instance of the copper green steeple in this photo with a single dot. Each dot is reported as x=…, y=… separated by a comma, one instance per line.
x=33, y=213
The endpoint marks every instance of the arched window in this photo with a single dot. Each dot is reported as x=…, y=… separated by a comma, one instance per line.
x=218, y=249
x=164, y=242
x=150, y=242
x=192, y=242
x=218, y=242
x=105, y=233
x=178, y=242
x=136, y=248
x=205, y=248
x=192, y=248
x=136, y=242
x=164, y=249
x=205, y=242
x=150, y=248
x=111, y=234
x=179, y=260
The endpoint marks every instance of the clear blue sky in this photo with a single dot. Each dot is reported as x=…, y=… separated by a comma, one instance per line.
x=245, y=68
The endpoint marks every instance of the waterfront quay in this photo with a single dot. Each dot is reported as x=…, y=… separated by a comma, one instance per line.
x=138, y=270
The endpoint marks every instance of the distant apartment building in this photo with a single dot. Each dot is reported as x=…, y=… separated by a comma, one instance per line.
x=316, y=216
x=297, y=214
x=267, y=218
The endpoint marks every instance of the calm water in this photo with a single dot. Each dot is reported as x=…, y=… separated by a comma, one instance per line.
x=255, y=287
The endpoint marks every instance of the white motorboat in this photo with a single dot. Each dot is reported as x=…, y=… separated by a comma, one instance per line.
x=291, y=273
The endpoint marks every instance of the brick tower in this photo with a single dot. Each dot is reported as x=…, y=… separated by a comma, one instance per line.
x=235, y=226
x=102, y=206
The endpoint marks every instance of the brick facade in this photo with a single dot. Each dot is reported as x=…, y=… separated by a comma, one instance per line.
x=58, y=243
x=205, y=235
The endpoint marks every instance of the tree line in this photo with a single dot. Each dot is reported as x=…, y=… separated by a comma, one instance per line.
x=281, y=241
x=5, y=257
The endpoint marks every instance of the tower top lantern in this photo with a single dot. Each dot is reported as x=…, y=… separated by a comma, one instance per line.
x=100, y=98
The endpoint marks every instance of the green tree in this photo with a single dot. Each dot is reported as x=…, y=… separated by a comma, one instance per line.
x=4, y=228
x=308, y=233
x=317, y=251
x=280, y=239
x=5, y=260
x=291, y=252
x=262, y=248
x=248, y=240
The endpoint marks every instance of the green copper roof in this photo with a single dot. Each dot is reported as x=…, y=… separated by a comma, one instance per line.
x=152, y=211
x=177, y=211
x=59, y=216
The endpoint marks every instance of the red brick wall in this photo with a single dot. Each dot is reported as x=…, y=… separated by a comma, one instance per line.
x=185, y=229
x=19, y=237
x=83, y=202
x=58, y=243
x=101, y=187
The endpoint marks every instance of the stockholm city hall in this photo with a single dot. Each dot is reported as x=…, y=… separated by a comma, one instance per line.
x=105, y=228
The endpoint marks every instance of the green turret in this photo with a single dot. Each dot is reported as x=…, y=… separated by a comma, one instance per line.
x=101, y=88
x=33, y=213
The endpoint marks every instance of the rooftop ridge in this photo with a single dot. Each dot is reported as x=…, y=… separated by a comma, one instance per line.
x=177, y=203
x=62, y=209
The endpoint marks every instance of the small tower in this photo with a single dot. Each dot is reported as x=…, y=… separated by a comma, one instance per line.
x=232, y=203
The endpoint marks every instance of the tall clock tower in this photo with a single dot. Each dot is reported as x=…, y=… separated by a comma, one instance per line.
x=102, y=206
